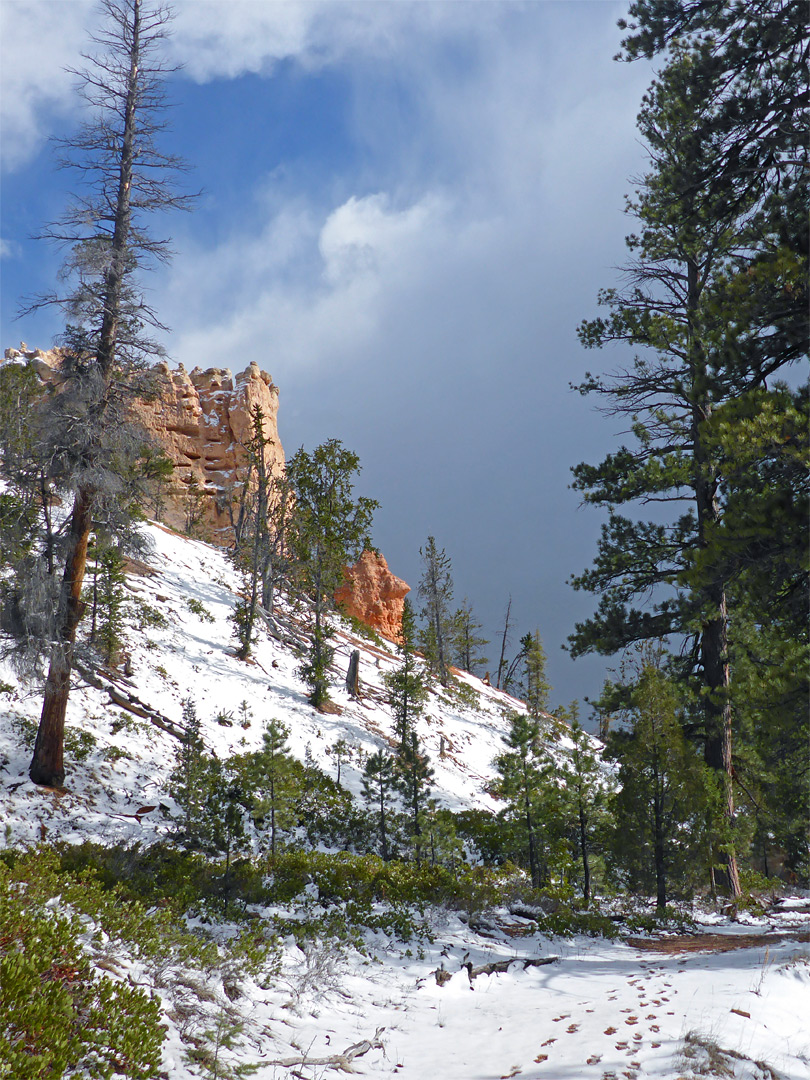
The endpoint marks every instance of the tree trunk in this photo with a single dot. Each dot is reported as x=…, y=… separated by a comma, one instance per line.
x=47, y=765
x=504, y=641
x=586, y=865
x=353, y=677
x=718, y=748
x=714, y=631
x=534, y=869
x=383, y=836
x=658, y=849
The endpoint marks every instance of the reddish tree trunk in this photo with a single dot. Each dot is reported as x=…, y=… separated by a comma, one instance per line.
x=47, y=765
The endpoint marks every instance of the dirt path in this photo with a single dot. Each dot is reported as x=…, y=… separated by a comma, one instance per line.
x=713, y=942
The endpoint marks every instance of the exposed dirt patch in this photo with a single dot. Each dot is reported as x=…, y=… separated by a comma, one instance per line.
x=713, y=942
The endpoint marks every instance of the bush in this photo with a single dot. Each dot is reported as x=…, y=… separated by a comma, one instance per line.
x=58, y=1018
x=199, y=609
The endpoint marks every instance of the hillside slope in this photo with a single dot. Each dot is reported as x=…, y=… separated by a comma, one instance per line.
x=123, y=766
x=474, y=996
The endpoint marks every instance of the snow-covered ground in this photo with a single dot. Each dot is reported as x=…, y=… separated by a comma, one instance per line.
x=601, y=1009
x=193, y=657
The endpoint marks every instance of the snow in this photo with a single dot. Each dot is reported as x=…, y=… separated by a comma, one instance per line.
x=601, y=1009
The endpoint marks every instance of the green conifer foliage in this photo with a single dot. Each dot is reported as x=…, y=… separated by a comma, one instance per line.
x=586, y=793
x=406, y=686
x=534, y=814
x=435, y=588
x=714, y=306
x=186, y=783
x=414, y=777
x=330, y=529
x=274, y=801
x=466, y=643
x=534, y=685
x=661, y=806
x=378, y=784
x=108, y=603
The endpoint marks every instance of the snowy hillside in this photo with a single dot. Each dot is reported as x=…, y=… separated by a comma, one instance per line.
x=193, y=657
x=482, y=995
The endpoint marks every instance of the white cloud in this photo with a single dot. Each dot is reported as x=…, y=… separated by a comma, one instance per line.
x=225, y=38
x=37, y=40
x=210, y=38
x=365, y=236
x=511, y=172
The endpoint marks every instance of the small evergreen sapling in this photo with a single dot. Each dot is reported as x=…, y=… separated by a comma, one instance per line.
x=466, y=642
x=414, y=779
x=188, y=781
x=330, y=527
x=586, y=792
x=108, y=601
x=274, y=776
x=435, y=589
x=661, y=808
x=379, y=782
x=406, y=687
x=534, y=810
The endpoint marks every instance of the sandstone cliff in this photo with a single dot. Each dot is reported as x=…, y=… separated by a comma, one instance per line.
x=202, y=421
x=374, y=595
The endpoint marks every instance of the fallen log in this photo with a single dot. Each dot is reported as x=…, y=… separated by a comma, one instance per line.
x=496, y=967
x=341, y=1062
x=125, y=700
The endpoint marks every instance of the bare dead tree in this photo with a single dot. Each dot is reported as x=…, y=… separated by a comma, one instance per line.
x=507, y=626
x=124, y=177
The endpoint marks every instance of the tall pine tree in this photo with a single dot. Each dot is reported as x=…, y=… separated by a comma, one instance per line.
x=711, y=304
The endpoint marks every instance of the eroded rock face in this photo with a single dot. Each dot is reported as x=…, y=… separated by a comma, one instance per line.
x=374, y=595
x=202, y=419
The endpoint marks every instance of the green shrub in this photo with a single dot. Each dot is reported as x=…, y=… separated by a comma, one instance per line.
x=124, y=721
x=147, y=616
x=361, y=629
x=79, y=744
x=58, y=1017
x=199, y=609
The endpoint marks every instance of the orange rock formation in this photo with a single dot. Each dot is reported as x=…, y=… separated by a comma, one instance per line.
x=202, y=419
x=374, y=595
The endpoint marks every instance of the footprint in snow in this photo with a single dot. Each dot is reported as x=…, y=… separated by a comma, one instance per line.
x=572, y=1028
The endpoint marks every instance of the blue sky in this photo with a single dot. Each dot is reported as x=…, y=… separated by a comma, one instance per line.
x=407, y=209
